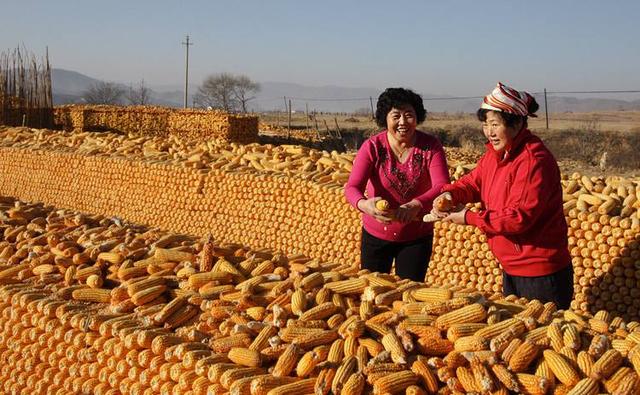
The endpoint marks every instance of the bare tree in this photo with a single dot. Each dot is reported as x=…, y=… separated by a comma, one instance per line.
x=103, y=93
x=244, y=88
x=138, y=95
x=226, y=91
x=217, y=91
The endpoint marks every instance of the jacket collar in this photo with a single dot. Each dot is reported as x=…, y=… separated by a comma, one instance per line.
x=516, y=145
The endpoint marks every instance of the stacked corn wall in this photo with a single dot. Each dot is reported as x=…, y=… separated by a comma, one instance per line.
x=604, y=236
x=222, y=193
x=159, y=121
x=89, y=305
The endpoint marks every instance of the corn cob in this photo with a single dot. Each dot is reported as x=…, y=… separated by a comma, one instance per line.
x=432, y=294
x=391, y=343
x=97, y=295
x=322, y=384
x=427, y=379
x=245, y=357
x=586, y=386
x=224, y=344
x=287, y=361
x=608, y=363
x=261, y=341
x=554, y=333
x=348, y=367
x=599, y=344
x=484, y=380
x=501, y=341
x=561, y=368
x=395, y=382
x=207, y=258
x=170, y=308
x=629, y=384
x=523, y=356
x=351, y=286
x=299, y=387
x=466, y=379
x=456, y=331
x=612, y=383
x=438, y=347
x=314, y=339
x=298, y=302
x=197, y=280
x=571, y=337
x=533, y=385
x=468, y=314
x=471, y=343
x=493, y=330
x=231, y=375
x=261, y=385
x=307, y=364
x=506, y=377
x=319, y=312
x=354, y=385
x=585, y=363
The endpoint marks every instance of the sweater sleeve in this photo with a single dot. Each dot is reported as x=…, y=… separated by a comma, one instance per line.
x=467, y=188
x=530, y=191
x=439, y=174
x=363, y=165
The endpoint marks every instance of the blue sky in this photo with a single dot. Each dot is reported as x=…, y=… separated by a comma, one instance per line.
x=436, y=47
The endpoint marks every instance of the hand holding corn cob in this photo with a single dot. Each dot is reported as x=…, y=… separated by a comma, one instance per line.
x=442, y=205
x=376, y=207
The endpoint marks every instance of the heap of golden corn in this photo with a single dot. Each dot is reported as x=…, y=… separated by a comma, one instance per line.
x=261, y=196
x=604, y=236
x=290, y=199
x=159, y=121
x=91, y=305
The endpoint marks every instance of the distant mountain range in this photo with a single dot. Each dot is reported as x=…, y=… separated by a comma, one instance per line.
x=69, y=87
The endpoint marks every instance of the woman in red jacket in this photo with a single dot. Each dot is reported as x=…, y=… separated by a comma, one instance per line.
x=518, y=183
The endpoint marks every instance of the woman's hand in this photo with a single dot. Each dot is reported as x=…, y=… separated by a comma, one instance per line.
x=442, y=204
x=368, y=206
x=457, y=217
x=408, y=211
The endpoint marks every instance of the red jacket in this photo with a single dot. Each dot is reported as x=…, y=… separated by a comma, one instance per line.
x=522, y=207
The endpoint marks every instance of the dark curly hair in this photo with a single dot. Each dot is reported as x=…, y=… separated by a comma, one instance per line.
x=395, y=98
x=509, y=119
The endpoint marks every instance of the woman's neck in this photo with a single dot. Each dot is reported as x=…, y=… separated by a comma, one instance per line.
x=401, y=144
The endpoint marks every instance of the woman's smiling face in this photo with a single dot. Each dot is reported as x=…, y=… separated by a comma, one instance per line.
x=500, y=135
x=402, y=122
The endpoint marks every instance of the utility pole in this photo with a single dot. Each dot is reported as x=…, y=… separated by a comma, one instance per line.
x=546, y=108
x=186, y=71
x=373, y=116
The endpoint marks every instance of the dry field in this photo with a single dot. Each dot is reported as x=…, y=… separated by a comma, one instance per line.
x=622, y=121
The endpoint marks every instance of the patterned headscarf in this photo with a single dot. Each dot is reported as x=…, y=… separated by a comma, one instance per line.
x=509, y=100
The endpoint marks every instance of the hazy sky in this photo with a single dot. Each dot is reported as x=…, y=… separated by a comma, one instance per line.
x=436, y=47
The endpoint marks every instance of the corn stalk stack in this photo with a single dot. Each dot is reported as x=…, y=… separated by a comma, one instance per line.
x=25, y=90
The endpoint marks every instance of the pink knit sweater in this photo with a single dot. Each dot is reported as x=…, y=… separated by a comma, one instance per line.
x=377, y=171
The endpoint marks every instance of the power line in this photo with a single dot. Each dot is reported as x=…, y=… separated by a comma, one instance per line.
x=605, y=91
x=444, y=98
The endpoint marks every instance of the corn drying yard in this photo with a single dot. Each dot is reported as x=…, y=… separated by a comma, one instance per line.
x=179, y=256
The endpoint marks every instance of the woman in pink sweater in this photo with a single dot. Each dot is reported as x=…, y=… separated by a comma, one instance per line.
x=407, y=168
